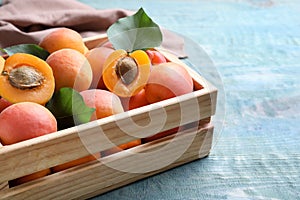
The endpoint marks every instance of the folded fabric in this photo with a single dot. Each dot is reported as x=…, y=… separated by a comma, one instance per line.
x=28, y=21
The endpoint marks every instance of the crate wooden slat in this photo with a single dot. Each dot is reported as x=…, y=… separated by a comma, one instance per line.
x=95, y=177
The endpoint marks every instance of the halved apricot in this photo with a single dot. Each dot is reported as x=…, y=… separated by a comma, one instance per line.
x=26, y=78
x=125, y=74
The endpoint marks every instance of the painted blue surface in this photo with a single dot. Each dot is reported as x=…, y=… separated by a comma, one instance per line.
x=255, y=48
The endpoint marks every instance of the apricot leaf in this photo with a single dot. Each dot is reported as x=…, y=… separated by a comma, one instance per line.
x=135, y=32
x=32, y=49
x=69, y=109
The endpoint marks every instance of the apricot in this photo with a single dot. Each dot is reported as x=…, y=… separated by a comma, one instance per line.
x=23, y=121
x=168, y=80
x=96, y=58
x=62, y=38
x=76, y=162
x=105, y=103
x=125, y=74
x=121, y=147
x=156, y=57
x=4, y=104
x=70, y=69
x=26, y=78
x=135, y=101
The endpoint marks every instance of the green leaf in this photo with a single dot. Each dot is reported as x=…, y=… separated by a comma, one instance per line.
x=32, y=49
x=69, y=109
x=135, y=32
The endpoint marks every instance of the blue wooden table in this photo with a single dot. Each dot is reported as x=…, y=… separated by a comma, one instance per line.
x=254, y=48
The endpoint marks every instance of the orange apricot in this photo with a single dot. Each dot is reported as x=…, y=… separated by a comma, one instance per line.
x=121, y=147
x=62, y=38
x=25, y=120
x=76, y=162
x=105, y=102
x=125, y=74
x=26, y=78
x=4, y=104
x=96, y=58
x=70, y=69
x=135, y=101
x=168, y=80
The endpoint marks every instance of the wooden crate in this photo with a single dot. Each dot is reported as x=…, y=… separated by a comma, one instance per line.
x=107, y=173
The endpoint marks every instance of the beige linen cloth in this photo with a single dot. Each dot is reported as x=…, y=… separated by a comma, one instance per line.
x=28, y=21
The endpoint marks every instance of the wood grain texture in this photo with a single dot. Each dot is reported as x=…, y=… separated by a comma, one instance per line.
x=97, y=177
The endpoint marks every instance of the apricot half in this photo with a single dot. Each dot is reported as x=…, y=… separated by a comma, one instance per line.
x=125, y=74
x=26, y=78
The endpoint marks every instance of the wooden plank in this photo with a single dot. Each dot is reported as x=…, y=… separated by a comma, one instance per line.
x=98, y=177
x=95, y=41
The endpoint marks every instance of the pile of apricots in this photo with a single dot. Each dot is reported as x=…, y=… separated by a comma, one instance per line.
x=110, y=81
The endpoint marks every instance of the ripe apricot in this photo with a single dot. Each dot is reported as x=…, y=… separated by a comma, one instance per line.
x=156, y=57
x=105, y=102
x=25, y=120
x=96, y=58
x=70, y=69
x=135, y=101
x=63, y=38
x=4, y=104
x=76, y=162
x=121, y=147
x=125, y=74
x=26, y=78
x=168, y=80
